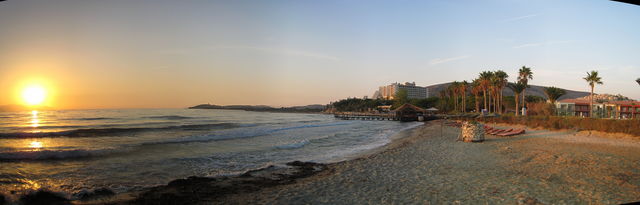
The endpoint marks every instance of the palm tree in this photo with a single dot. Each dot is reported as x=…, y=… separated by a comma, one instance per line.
x=485, y=82
x=463, y=91
x=443, y=94
x=493, y=88
x=476, y=89
x=517, y=88
x=455, y=89
x=502, y=80
x=593, y=79
x=524, y=75
x=554, y=93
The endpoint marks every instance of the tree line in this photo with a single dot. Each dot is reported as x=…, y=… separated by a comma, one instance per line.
x=485, y=92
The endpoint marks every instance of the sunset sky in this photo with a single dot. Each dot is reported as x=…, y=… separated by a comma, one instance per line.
x=155, y=54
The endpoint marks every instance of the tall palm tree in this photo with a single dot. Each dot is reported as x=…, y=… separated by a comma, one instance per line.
x=502, y=80
x=517, y=87
x=455, y=89
x=463, y=91
x=485, y=82
x=443, y=99
x=524, y=75
x=592, y=78
x=476, y=89
x=554, y=93
x=493, y=88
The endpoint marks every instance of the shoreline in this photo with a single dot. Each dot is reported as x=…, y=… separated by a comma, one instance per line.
x=421, y=165
x=541, y=166
x=216, y=187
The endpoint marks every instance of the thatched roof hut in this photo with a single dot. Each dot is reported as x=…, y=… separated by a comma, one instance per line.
x=409, y=112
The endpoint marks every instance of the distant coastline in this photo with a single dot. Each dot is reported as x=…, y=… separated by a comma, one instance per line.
x=18, y=108
x=263, y=108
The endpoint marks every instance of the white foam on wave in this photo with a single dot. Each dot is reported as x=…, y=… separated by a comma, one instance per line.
x=379, y=140
x=295, y=145
x=239, y=134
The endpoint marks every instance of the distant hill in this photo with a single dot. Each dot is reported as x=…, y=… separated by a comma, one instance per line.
x=306, y=108
x=532, y=90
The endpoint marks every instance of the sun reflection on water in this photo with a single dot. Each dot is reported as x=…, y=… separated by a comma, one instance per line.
x=36, y=145
x=35, y=121
x=31, y=184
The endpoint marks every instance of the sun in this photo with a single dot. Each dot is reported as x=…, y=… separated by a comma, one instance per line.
x=34, y=95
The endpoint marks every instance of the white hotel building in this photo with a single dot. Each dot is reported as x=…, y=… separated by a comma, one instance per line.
x=413, y=91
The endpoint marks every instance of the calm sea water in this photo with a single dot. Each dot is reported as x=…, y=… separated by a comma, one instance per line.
x=123, y=150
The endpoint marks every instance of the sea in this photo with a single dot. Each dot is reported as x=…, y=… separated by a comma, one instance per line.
x=74, y=151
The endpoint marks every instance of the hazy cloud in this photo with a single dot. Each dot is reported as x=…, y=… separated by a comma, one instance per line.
x=518, y=18
x=547, y=43
x=282, y=51
x=445, y=60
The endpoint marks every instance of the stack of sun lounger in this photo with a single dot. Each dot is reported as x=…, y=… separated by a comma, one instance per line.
x=502, y=132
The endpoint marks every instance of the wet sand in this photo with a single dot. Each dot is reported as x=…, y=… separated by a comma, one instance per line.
x=427, y=167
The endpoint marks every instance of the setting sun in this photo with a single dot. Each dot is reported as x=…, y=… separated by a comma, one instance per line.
x=34, y=95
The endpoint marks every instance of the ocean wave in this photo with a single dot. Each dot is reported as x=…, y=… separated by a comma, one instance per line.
x=169, y=117
x=91, y=132
x=308, y=121
x=237, y=134
x=295, y=145
x=377, y=140
x=93, y=118
x=55, y=154
x=55, y=126
x=311, y=126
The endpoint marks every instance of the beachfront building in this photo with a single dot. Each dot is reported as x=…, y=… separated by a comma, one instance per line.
x=409, y=112
x=376, y=95
x=413, y=91
x=611, y=110
x=625, y=109
x=576, y=107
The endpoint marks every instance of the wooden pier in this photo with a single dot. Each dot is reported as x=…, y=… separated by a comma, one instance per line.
x=366, y=116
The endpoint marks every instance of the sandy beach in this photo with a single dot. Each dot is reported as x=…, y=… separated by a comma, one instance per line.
x=428, y=166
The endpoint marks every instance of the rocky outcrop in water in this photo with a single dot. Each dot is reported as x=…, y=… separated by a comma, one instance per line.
x=85, y=195
x=210, y=189
x=44, y=197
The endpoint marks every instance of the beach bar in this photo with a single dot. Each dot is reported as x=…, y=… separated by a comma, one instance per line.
x=409, y=112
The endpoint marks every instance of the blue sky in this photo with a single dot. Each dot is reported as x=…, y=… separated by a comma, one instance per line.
x=179, y=53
